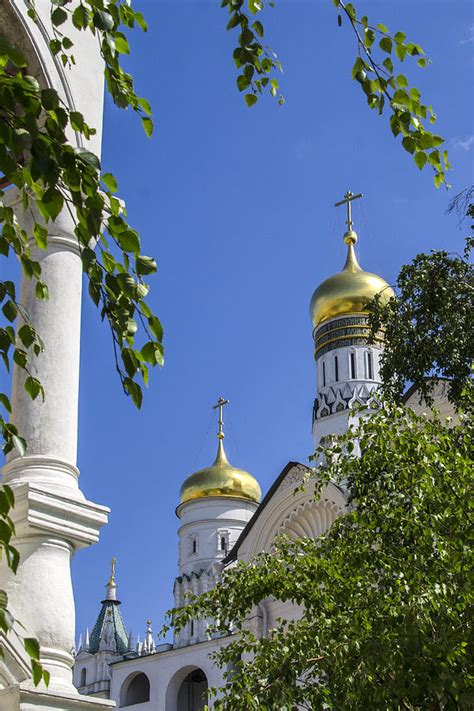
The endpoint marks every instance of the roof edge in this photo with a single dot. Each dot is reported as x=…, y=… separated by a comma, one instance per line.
x=232, y=555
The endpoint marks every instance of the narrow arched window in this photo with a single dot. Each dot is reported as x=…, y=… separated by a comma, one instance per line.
x=336, y=368
x=192, y=628
x=83, y=677
x=324, y=374
x=370, y=366
x=353, y=365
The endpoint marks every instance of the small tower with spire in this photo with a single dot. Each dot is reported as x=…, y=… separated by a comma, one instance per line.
x=108, y=642
x=347, y=366
x=215, y=505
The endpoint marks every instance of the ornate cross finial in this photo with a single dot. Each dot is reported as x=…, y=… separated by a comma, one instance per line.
x=220, y=404
x=348, y=198
x=112, y=571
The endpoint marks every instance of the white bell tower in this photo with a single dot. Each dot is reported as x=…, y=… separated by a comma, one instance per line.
x=348, y=371
x=216, y=504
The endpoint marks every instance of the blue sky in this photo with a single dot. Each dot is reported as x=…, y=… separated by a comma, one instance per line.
x=237, y=206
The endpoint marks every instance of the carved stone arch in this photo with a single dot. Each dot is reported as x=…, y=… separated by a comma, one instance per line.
x=323, y=409
x=286, y=502
x=33, y=40
x=374, y=402
x=189, y=674
x=135, y=689
x=339, y=404
x=79, y=89
x=355, y=400
x=310, y=519
x=17, y=31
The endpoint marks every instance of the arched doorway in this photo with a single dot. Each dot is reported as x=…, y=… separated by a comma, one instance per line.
x=135, y=690
x=192, y=694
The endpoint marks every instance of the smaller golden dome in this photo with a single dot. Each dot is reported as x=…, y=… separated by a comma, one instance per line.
x=221, y=479
x=348, y=291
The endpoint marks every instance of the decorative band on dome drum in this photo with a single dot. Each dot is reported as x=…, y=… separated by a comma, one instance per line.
x=347, y=331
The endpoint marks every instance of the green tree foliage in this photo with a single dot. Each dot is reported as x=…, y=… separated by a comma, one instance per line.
x=376, y=69
x=386, y=593
x=50, y=175
x=429, y=325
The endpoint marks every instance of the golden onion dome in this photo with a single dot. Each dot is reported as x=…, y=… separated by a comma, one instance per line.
x=220, y=479
x=348, y=291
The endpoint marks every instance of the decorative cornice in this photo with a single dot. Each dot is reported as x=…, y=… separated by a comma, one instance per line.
x=346, y=331
x=310, y=519
x=295, y=477
x=39, y=511
x=345, y=396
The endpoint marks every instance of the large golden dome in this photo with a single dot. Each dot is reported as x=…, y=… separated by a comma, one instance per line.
x=348, y=291
x=221, y=479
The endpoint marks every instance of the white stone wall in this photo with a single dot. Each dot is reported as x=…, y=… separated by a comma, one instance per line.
x=344, y=367
x=206, y=524
x=81, y=86
x=98, y=672
x=166, y=671
x=339, y=388
x=203, y=522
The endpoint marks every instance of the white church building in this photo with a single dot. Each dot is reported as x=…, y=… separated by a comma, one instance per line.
x=222, y=517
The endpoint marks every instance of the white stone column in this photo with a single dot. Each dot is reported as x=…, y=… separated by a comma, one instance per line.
x=52, y=517
x=50, y=427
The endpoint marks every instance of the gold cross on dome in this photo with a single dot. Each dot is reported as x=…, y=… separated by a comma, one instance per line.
x=220, y=404
x=348, y=198
x=112, y=571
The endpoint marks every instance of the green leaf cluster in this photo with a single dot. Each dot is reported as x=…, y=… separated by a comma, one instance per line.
x=428, y=325
x=253, y=59
x=50, y=175
x=374, y=69
x=16, y=347
x=409, y=117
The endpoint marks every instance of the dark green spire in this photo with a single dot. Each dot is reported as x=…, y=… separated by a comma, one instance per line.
x=109, y=632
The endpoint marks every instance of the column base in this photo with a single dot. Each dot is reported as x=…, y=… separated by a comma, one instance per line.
x=25, y=697
x=49, y=528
